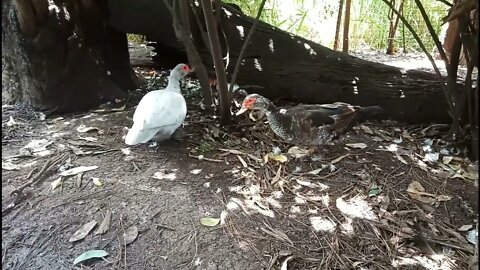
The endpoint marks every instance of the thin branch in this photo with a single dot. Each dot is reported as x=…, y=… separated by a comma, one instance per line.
x=218, y=10
x=337, y=27
x=217, y=60
x=434, y=36
x=244, y=46
x=193, y=56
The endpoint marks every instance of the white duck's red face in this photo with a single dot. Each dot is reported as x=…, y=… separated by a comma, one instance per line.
x=181, y=70
x=185, y=68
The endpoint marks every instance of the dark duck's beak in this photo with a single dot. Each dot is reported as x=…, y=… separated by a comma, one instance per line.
x=242, y=110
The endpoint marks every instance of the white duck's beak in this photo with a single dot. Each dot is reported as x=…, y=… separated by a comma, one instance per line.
x=242, y=110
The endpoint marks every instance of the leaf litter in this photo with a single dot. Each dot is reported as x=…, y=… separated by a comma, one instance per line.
x=257, y=203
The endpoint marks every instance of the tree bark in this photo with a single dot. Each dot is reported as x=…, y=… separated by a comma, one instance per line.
x=62, y=56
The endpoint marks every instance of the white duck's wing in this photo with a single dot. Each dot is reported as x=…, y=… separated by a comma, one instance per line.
x=158, y=112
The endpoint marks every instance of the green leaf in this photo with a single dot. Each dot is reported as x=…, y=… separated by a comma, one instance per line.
x=90, y=255
x=209, y=222
x=374, y=190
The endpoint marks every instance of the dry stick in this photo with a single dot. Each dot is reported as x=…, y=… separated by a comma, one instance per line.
x=47, y=167
x=244, y=46
x=195, y=242
x=430, y=58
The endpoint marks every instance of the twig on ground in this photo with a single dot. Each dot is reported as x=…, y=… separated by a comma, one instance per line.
x=100, y=193
x=205, y=158
x=49, y=165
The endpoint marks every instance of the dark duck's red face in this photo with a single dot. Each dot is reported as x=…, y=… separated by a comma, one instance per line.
x=254, y=102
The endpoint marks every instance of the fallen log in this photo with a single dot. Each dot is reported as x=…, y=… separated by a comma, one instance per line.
x=289, y=67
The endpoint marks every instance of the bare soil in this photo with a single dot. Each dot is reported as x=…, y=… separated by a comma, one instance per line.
x=270, y=210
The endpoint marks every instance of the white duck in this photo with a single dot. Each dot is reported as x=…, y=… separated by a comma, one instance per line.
x=160, y=112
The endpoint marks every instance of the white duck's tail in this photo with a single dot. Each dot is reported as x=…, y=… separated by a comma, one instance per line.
x=136, y=136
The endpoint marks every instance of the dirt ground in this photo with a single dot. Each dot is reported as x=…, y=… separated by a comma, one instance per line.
x=347, y=209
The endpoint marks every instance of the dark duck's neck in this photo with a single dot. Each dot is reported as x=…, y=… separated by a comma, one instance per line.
x=278, y=121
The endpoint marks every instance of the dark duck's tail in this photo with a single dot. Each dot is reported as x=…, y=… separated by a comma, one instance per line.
x=347, y=116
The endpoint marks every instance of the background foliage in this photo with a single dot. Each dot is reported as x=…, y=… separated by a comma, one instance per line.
x=369, y=25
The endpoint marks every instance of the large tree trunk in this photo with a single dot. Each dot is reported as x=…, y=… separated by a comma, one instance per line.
x=290, y=67
x=62, y=56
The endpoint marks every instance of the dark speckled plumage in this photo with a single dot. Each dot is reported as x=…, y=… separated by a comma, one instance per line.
x=311, y=125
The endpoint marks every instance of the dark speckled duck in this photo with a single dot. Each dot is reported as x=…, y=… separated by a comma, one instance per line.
x=310, y=125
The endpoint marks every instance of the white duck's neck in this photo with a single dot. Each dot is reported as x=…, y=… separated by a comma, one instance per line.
x=173, y=85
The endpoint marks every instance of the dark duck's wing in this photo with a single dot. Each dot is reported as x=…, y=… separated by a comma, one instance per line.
x=316, y=124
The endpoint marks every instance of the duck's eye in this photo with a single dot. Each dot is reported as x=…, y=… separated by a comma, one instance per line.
x=249, y=102
x=185, y=68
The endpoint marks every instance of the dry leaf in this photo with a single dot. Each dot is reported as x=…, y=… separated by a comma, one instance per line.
x=338, y=159
x=130, y=234
x=56, y=183
x=417, y=192
x=398, y=141
x=11, y=122
x=37, y=148
x=366, y=129
x=105, y=225
x=84, y=129
x=97, y=181
x=447, y=159
x=196, y=171
x=443, y=198
x=162, y=175
x=356, y=145
x=431, y=157
x=280, y=158
x=83, y=231
x=9, y=166
x=78, y=170
x=209, y=222
x=465, y=228
x=297, y=152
